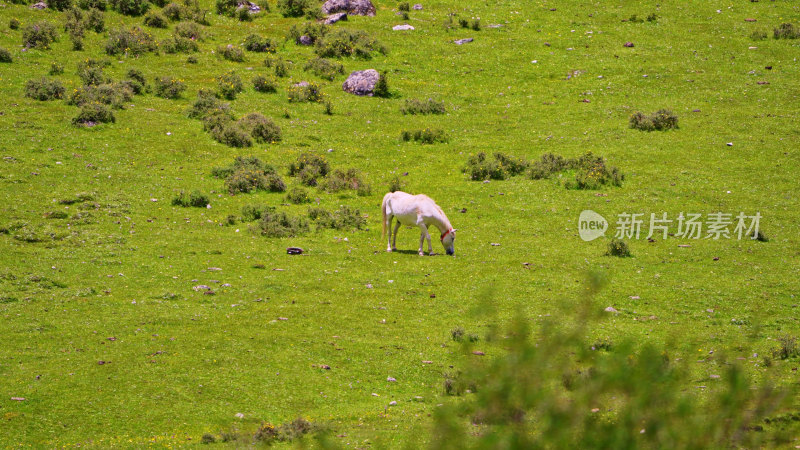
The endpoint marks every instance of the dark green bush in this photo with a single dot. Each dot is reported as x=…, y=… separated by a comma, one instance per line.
x=403, y=6
x=229, y=85
x=311, y=30
x=592, y=173
x=133, y=41
x=295, y=8
x=348, y=43
x=95, y=20
x=44, y=89
x=244, y=15
x=102, y=5
x=663, y=119
x=5, y=56
x=426, y=136
x=39, y=35
x=262, y=129
x=73, y=21
x=231, y=53
x=281, y=67
x=207, y=104
x=786, y=31
x=264, y=84
x=344, y=218
x=168, y=87
x=56, y=69
x=428, y=106
x=179, y=44
x=176, y=12
x=112, y=94
x=500, y=167
x=381, y=88
x=309, y=168
x=196, y=199
x=618, y=247
x=278, y=224
x=92, y=114
x=340, y=180
x=130, y=7
x=324, y=68
x=189, y=30
x=298, y=196
x=90, y=71
x=232, y=134
x=247, y=180
x=547, y=165
x=256, y=43
x=14, y=23
x=396, y=184
x=191, y=60
x=60, y=5
x=304, y=92
x=227, y=7
x=758, y=35
x=154, y=19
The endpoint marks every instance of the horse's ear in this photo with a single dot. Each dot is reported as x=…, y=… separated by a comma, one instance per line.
x=455, y=229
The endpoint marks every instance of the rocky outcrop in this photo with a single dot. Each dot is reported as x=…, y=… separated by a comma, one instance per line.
x=355, y=7
x=361, y=82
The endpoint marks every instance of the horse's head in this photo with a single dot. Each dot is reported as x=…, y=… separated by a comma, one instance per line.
x=448, y=241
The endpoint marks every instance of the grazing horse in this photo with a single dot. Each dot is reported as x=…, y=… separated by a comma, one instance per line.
x=420, y=211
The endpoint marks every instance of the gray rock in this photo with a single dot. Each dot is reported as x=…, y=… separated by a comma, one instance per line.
x=250, y=6
x=201, y=287
x=417, y=6
x=355, y=7
x=463, y=41
x=39, y=5
x=301, y=84
x=402, y=27
x=304, y=40
x=333, y=18
x=361, y=82
x=611, y=309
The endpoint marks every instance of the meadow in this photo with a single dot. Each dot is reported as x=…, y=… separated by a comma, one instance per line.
x=130, y=321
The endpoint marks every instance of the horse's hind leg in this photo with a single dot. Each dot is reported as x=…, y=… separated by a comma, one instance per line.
x=394, y=240
x=389, y=226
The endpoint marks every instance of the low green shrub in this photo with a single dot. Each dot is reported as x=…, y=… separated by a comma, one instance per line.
x=115, y=95
x=56, y=69
x=101, y=5
x=44, y=89
x=226, y=7
x=93, y=113
x=279, y=224
x=229, y=85
x=264, y=84
x=5, y=56
x=179, y=44
x=340, y=180
x=39, y=35
x=168, y=87
x=207, y=104
x=548, y=164
x=298, y=196
x=396, y=184
x=619, y=248
x=136, y=81
x=663, y=119
x=130, y=7
x=247, y=176
x=95, y=20
x=296, y=8
x=786, y=31
x=304, y=92
x=176, y=12
x=133, y=41
x=14, y=23
x=425, y=136
x=381, y=88
x=231, y=53
x=59, y=5
x=592, y=173
x=196, y=199
x=758, y=35
x=344, y=218
x=479, y=167
x=403, y=6
x=154, y=19
x=256, y=43
x=324, y=68
x=310, y=168
x=311, y=30
x=423, y=107
x=189, y=30
x=262, y=129
x=90, y=71
x=345, y=42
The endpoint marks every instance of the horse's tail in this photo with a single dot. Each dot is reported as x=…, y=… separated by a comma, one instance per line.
x=383, y=212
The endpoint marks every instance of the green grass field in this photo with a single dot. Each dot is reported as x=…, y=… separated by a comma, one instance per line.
x=108, y=343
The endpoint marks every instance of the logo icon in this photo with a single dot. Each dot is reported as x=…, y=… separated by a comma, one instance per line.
x=591, y=225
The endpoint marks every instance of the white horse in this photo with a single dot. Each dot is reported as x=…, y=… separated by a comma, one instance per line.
x=420, y=211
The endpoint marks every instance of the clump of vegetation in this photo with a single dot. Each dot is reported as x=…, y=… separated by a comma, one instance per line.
x=298, y=196
x=5, y=56
x=60, y=5
x=111, y=94
x=459, y=335
x=592, y=172
x=56, y=69
x=279, y=225
x=758, y=35
x=264, y=84
x=229, y=85
x=403, y=6
x=136, y=82
x=256, y=43
x=189, y=30
x=39, y=35
x=132, y=41
x=155, y=19
x=479, y=167
x=101, y=5
x=262, y=129
x=44, y=89
x=340, y=180
x=310, y=168
x=280, y=66
x=786, y=31
x=14, y=23
x=191, y=60
x=305, y=92
x=231, y=53
x=93, y=113
x=548, y=164
x=196, y=199
x=312, y=31
x=619, y=248
x=207, y=104
x=324, y=68
x=168, y=87
x=90, y=71
x=179, y=44
x=381, y=88
x=297, y=8
x=345, y=42
x=426, y=136
x=248, y=174
x=130, y=7
x=663, y=119
x=95, y=20
x=227, y=7
x=427, y=106
x=344, y=218
x=396, y=184
x=788, y=348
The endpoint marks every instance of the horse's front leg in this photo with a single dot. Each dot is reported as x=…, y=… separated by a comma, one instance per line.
x=428, y=236
x=423, y=233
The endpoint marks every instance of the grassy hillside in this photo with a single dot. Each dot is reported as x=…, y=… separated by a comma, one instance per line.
x=108, y=342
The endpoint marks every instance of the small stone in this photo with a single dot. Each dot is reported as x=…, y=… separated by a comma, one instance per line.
x=368, y=285
x=102, y=363
x=478, y=352
x=375, y=395
x=594, y=410
x=294, y=251
x=495, y=244
x=427, y=362
x=304, y=40
x=713, y=376
x=201, y=287
x=463, y=41
x=750, y=19
x=402, y=27
x=716, y=258
x=628, y=44
x=239, y=416
x=417, y=7
x=325, y=366
x=333, y=18
x=18, y=399
x=611, y=309
x=634, y=297
x=391, y=379
x=282, y=318
x=433, y=295
x=392, y=403
x=729, y=144
x=463, y=210
x=214, y=269
x=709, y=310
